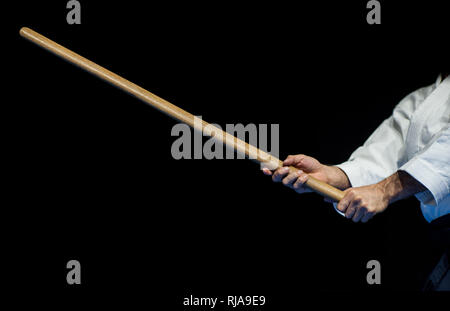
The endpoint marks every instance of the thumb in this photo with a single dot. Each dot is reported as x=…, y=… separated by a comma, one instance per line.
x=293, y=160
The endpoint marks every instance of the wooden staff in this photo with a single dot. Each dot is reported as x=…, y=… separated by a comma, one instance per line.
x=175, y=112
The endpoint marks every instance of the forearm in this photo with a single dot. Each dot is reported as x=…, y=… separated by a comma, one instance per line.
x=400, y=185
x=336, y=177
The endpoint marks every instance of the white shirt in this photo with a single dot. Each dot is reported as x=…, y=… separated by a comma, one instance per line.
x=415, y=139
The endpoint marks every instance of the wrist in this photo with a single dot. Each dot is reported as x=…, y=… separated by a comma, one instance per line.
x=387, y=190
x=336, y=177
x=398, y=186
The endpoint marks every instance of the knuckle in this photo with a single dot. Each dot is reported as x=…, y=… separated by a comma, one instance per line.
x=349, y=195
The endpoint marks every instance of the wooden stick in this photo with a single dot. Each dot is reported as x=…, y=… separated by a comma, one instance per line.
x=177, y=113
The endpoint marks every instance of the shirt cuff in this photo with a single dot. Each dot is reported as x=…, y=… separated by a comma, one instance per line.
x=353, y=172
x=437, y=189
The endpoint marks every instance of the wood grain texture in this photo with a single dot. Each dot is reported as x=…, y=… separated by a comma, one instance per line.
x=175, y=112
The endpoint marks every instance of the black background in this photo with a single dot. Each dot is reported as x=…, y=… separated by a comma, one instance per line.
x=93, y=178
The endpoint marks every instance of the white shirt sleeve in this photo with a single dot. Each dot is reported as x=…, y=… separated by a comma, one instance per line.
x=431, y=167
x=378, y=158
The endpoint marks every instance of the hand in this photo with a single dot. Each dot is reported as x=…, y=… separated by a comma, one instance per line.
x=362, y=203
x=306, y=166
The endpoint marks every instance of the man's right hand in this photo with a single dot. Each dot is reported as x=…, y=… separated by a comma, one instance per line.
x=307, y=166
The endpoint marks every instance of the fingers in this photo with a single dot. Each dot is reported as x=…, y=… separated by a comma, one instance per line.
x=345, y=202
x=350, y=211
x=351, y=206
x=291, y=178
x=280, y=174
x=360, y=212
x=267, y=172
x=299, y=183
x=354, y=207
x=367, y=217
